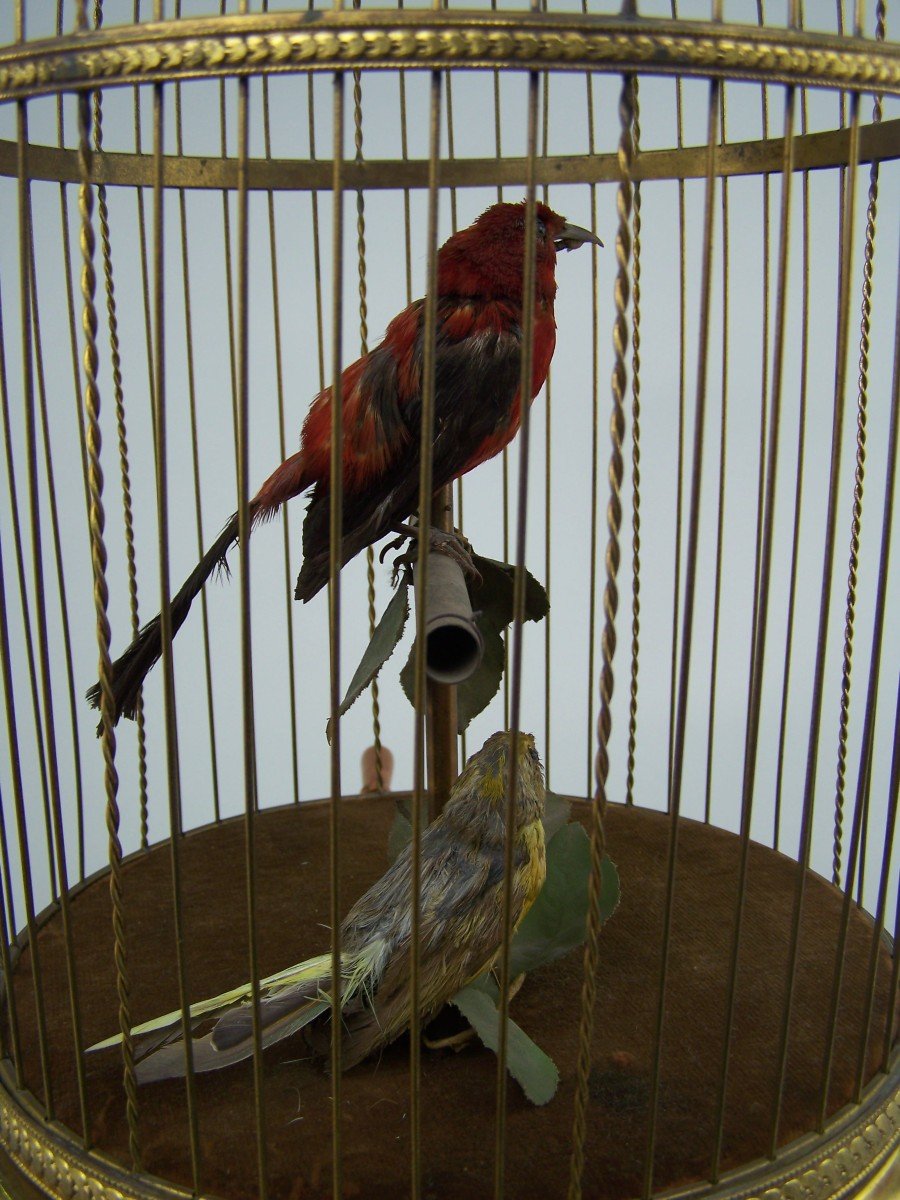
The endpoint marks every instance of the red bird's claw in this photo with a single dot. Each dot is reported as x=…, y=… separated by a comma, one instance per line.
x=403, y=562
x=455, y=546
x=392, y=545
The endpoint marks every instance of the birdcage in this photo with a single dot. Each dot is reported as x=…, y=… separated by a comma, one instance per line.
x=212, y=210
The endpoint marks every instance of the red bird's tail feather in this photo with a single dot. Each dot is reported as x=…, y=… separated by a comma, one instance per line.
x=131, y=669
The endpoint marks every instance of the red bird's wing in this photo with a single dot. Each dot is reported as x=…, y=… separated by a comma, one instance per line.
x=476, y=413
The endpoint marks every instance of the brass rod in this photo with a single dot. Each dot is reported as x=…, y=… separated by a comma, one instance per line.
x=876, y=943
x=763, y=356
x=251, y=796
x=814, y=151
x=317, y=254
x=682, y=400
x=443, y=765
x=294, y=729
x=426, y=443
x=336, y=524
x=40, y=603
x=37, y=976
x=70, y=285
x=9, y=924
x=824, y=612
x=517, y=638
x=798, y=493
x=720, y=500
x=143, y=253
x=170, y=725
x=53, y=512
x=548, y=478
x=195, y=461
x=28, y=638
x=12, y=727
x=227, y=243
x=12, y=1046
x=680, y=729
x=894, y=470
x=762, y=575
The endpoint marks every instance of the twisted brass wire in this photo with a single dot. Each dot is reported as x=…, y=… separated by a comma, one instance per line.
x=608, y=640
x=828, y=553
x=595, y=455
x=364, y=349
x=124, y=469
x=101, y=601
x=858, y=485
x=635, y=460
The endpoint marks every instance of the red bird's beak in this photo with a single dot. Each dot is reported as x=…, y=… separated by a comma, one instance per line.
x=570, y=237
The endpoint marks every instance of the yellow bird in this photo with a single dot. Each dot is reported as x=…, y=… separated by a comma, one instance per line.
x=461, y=931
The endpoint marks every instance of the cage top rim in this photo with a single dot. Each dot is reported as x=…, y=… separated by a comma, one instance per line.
x=298, y=42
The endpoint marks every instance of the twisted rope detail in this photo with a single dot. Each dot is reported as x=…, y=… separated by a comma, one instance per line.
x=858, y=486
x=608, y=639
x=101, y=601
x=635, y=464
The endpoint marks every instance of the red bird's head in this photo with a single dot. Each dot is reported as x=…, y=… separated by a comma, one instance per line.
x=487, y=259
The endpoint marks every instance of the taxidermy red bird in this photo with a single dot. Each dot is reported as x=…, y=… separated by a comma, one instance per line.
x=477, y=408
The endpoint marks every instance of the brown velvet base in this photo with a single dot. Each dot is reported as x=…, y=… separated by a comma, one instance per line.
x=458, y=1090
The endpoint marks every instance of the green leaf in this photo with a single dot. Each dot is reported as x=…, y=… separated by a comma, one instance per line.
x=388, y=633
x=556, y=814
x=401, y=828
x=492, y=602
x=534, y=1070
x=474, y=694
x=495, y=594
x=556, y=922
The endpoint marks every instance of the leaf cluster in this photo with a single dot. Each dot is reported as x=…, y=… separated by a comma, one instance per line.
x=493, y=606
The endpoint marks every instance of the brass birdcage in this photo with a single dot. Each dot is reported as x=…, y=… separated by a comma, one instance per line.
x=200, y=201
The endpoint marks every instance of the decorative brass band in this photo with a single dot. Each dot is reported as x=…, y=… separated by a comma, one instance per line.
x=835, y=1167
x=213, y=47
x=811, y=152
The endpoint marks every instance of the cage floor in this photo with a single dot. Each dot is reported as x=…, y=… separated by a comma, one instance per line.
x=458, y=1089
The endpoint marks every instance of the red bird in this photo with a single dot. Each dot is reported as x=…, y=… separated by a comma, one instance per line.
x=477, y=407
